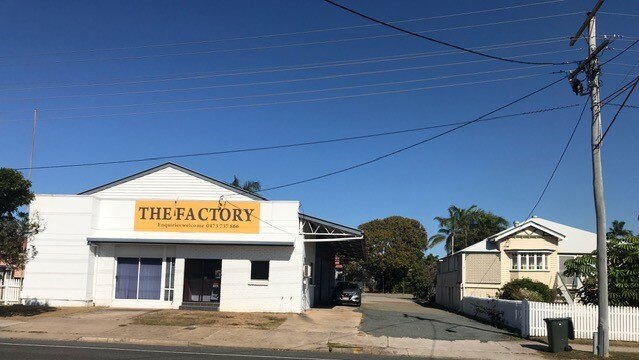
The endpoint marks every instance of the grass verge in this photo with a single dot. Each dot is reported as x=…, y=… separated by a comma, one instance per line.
x=262, y=321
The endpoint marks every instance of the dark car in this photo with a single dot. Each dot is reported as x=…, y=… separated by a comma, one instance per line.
x=347, y=293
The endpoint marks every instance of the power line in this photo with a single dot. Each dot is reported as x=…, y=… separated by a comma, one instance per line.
x=618, y=111
x=561, y=157
x=302, y=32
x=620, y=53
x=617, y=13
x=441, y=42
x=317, y=65
x=280, y=46
x=298, y=92
x=293, y=145
x=395, y=152
x=286, y=102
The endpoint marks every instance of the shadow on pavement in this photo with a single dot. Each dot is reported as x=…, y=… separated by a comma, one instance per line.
x=457, y=325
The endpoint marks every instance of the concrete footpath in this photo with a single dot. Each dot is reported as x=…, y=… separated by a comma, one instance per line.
x=334, y=329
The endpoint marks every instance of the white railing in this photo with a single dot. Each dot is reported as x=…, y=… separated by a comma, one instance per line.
x=624, y=320
x=10, y=291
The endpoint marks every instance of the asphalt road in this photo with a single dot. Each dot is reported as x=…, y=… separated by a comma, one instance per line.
x=36, y=350
x=396, y=316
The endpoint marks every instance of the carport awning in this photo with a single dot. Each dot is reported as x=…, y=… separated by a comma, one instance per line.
x=348, y=243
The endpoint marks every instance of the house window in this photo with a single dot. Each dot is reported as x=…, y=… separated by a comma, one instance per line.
x=169, y=279
x=138, y=278
x=259, y=270
x=529, y=261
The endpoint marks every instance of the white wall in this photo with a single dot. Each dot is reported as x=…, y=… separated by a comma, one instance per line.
x=308, y=290
x=509, y=313
x=68, y=271
x=60, y=273
x=167, y=184
x=281, y=293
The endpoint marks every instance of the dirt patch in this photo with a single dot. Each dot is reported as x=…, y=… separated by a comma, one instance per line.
x=25, y=312
x=210, y=318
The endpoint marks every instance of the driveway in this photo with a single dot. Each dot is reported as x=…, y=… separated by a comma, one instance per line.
x=398, y=316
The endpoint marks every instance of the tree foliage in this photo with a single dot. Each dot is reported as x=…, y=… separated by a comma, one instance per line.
x=249, y=185
x=623, y=272
x=466, y=227
x=395, y=245
x=617, y=230
x=526, y=289
x=16, y=228
x=421, y=278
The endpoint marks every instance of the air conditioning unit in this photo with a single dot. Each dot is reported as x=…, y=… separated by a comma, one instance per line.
x=308, y=271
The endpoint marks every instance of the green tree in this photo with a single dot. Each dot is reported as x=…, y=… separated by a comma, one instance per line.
x=466, y=227
x=421, y=278
x=16, y=228
x=617, y=230
x=394, y=245
x=250, y=186
x=623, y=272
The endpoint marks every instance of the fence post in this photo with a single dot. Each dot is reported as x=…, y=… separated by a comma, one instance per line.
x=525, y=319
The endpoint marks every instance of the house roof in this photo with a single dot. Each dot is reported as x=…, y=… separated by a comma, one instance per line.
x=572, y=240
x=179, y=168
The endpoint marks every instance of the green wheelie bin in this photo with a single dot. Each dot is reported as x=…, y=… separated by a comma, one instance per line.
x=559, y=331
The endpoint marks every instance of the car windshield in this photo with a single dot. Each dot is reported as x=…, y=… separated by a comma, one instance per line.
x=347, y=286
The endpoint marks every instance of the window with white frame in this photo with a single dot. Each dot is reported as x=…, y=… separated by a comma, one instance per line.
x=169, y=279
x=138, y=278
x=529, y=261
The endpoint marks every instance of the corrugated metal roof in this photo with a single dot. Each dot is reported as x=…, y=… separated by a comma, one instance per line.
x=572, y=240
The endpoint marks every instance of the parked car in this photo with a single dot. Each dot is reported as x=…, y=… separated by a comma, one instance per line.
x=347, y=293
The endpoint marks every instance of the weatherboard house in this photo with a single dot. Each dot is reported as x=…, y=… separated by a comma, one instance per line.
x=169, y=237
x=536, y=249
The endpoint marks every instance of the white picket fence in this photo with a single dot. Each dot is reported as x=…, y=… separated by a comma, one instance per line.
x=624, y=320
x=10, y=291
x=528, y=317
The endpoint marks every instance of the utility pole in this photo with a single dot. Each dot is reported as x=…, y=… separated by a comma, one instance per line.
x=591, y=66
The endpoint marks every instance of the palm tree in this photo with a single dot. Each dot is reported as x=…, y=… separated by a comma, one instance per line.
x=250, y=186
x=617, y=230
x=454, y=229
x=465, y=227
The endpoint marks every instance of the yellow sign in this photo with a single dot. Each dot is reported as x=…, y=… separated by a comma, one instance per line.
x=197, y=216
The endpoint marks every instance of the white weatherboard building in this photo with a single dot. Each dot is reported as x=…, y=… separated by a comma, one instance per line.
x=169, y=237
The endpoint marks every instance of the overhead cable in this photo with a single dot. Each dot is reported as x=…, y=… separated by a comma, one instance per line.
x=405, y=148
x=293, y=145
x=441, y=42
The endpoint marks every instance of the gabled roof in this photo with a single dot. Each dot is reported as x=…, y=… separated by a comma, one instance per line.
x=532, y=222
x=572, y=240
x=179, y=168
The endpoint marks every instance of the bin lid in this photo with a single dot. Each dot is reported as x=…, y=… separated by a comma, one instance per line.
x=558, y=319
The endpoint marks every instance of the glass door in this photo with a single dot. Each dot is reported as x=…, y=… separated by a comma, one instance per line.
x=202, y=280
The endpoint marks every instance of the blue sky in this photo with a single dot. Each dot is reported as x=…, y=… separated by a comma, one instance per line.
x=119, y=79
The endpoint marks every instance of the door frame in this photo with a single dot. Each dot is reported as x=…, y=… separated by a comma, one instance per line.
x=215, y=265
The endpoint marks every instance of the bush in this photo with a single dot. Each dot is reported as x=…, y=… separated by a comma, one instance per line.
x=527, y=289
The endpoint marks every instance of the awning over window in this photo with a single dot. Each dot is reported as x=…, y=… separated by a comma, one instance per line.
x=348, y=243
